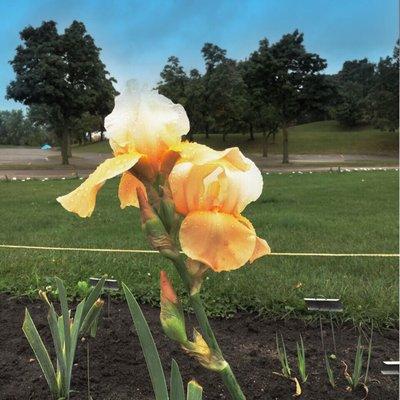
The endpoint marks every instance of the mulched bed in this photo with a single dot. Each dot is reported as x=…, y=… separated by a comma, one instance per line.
x=118, y=370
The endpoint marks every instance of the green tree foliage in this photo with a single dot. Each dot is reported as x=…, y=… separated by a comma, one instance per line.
x=19, y=129
x=174, y=81
x=369, y=93
x=382, y=102
x=355, y=81
x=287, y=78
x=62, y=74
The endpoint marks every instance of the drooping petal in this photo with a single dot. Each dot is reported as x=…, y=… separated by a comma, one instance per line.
x=262, y=249
x=145, y=121
x=127, y=190
x=83, y=199
x=217, y=239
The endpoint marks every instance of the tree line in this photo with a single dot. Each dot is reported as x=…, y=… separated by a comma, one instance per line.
x=278, y=85
x=68, y=91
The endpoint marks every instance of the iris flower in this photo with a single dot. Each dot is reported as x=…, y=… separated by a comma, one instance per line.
x=211, y=189
x=142, y=129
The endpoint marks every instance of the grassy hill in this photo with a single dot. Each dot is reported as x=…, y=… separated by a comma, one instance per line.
x=325, y=137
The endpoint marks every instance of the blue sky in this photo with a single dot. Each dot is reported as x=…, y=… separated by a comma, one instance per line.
x=137, y=37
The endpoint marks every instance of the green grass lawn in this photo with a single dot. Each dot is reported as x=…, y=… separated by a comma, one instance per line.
x=326, y=137
x=323, y=212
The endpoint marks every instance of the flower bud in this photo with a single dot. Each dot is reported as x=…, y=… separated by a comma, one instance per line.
x=154, y=228
x=171, y=316
x=43, y=296
x=200, y=350
x=168, y=214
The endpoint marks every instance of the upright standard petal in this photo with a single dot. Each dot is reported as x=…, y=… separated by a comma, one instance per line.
x=217, y=239
x=200, y=154
x=214, y=186
x=83, y=199
x=145, y=121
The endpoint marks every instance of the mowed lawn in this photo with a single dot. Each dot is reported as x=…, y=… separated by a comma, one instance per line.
x=325, y=137
x=322, y=212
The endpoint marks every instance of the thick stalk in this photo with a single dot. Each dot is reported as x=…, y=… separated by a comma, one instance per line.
x=227, y=374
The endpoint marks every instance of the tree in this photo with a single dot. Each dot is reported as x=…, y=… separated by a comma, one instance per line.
x=16, y=129
x=13, y=127
x=226, y=98
x=295, y=70
x=196, y=107
x=62, y=73
x=213, y=56
x=174, y=81
x=382, y=101
x=354, y=83
x=285, y=75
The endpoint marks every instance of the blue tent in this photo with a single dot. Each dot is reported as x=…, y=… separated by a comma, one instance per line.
x=46, y=147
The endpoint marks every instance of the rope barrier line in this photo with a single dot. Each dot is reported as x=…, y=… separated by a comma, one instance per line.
x=11, y=246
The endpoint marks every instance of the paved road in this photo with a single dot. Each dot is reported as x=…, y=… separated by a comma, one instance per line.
x=22, y=162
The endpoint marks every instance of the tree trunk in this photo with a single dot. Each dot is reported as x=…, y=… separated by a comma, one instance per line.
x=273, y=137
x=285, y=135
x=102, y=129
x=265, y=146
x=207, y=132
x=251, y=131
x=69, y=146
x=64, y=146
x=224, y=137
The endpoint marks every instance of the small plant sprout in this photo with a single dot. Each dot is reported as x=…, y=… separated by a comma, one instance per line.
x=301, y=360
x=369, y=355
x=281, y=349
x=354, y=380
x=65, y=331
x=329, y=371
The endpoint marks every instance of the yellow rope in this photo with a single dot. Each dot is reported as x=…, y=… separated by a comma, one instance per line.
x=12, y=246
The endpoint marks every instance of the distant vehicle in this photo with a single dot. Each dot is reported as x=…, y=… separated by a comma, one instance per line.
x=46, y=147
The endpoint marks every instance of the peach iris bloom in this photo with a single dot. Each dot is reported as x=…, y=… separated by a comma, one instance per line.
x=142, y=129
x=211, y=189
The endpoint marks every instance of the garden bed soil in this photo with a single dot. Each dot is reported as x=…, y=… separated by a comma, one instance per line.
x=118, y=370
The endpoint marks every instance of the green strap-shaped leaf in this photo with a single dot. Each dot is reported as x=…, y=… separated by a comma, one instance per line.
x=58, y=345
x=40, y=351
x=148, y=347
x=75, y=331
x=62, y=295
x=177, y=391
x=194, y=391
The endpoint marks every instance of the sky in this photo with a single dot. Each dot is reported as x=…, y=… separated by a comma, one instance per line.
x=137, y=37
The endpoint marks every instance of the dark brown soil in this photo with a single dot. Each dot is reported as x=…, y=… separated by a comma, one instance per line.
x=118, y=370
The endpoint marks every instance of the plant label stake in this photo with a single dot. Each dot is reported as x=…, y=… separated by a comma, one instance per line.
x=320, y=304
x=109, y=286
x=325, y=305
x=390, y=368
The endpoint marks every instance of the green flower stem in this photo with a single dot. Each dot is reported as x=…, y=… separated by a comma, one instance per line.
x=232, y=384
x=227, y=374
